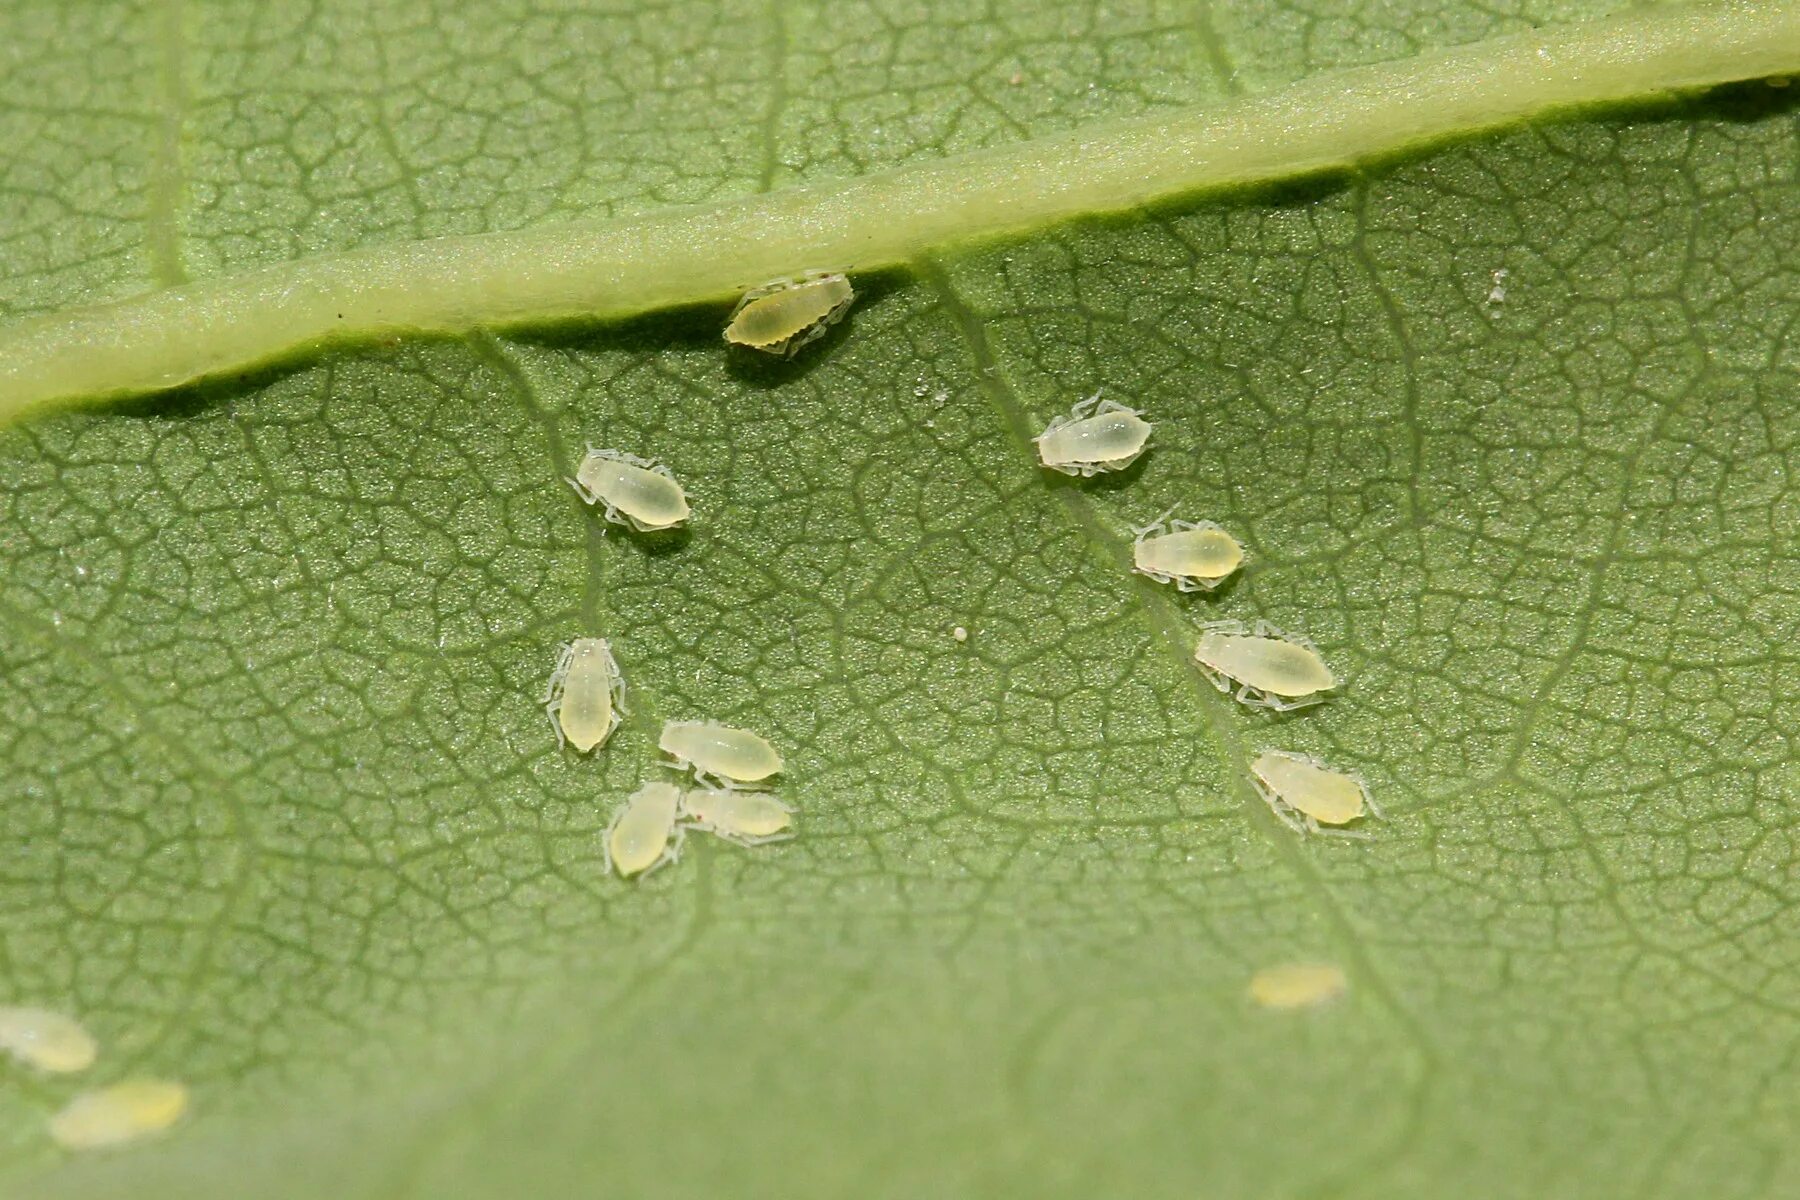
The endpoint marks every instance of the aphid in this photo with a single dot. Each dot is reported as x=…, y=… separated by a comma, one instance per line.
x=747, y=818
x=1269, y=668
x=643, y=834
x=120, y=1113
x=1298, y=985
x=1192, y=555
x=1306, y=794
x=634, y=491
x=586, y=694
x=1096, y=436
x=719, y=754
x=782, y=316
x=46, y=1040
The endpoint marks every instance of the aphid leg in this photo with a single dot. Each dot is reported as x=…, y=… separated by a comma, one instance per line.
x=1160, y=525
x=1369, y=801
x=1187, y=583
x=618, y=684
x=565, y=654
x=587, y=497
x=1357, y=835
x=1283, y=811
x=1084, y=408
x=606, y=841
x=1114, y=406
x=1214, y=677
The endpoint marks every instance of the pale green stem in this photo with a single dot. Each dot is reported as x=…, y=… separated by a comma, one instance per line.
x=617, y=268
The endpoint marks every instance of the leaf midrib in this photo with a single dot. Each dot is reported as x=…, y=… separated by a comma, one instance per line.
x=614, y=269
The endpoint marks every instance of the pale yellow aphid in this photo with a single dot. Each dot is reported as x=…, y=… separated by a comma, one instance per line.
x=1263, y=667
x=46, y=1040
x=719, y=755
x=1192, y=555
x=643, y=835
x=1096, y=436
x=747, y=818
x=1307, y=795
x=586, y=695
x=633, y=491
x=784, y=315
x=1298, y=985
x=121, y=1113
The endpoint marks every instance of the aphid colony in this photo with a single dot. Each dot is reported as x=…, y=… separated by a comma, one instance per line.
x=58, y=1044
x=1259, y=666
x=585, y=699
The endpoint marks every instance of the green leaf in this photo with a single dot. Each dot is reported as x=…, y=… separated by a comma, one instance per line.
x=288, y=823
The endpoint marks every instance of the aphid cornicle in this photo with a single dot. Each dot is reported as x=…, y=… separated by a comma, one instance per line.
x=631, y=490
x=46, y=1040
x=747, y=818
x=586, y=694
x=1298, y=985
x=719, y=754
x=1262, y=667
x=643, y=834
x=1306, y=795
x=1192, y=555
x=782, y=316
x=121, y=1113
x=1096, y=436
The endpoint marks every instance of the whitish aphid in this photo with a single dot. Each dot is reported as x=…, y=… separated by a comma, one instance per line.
x=719, y=754
x=1298, y=985
x=1192, y=555
x=1263, y=666
x=633, y=491
x=46, y=1040
x=747, y=818
x=782, y=316
x=643, y=835
x=586, y=694
x=1308, y=795
x=1096, y=436
x=121, y=1113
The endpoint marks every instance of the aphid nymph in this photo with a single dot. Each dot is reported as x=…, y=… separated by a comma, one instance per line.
x=1289, y=986
x=643, y=834
x=1262, y=667
x=46, y=1040
x=747, y=818
x=782, y=316
x=586, y=694
x=633, y=491
x=1192, y=555
x=1096, y=436
x=1306, y=795
x=121, y=1113
x=719, y=754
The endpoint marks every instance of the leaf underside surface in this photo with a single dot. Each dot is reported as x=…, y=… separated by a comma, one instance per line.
x=1509, y=430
